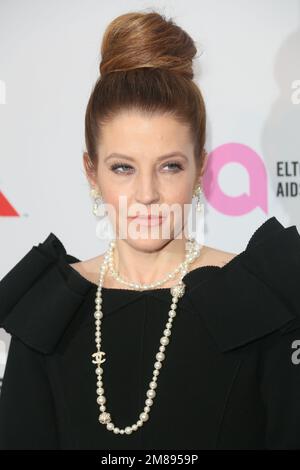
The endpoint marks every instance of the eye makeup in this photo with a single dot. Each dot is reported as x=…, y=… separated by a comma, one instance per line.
x=177, y=166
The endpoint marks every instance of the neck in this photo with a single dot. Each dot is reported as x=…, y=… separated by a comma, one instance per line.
x=146, y=266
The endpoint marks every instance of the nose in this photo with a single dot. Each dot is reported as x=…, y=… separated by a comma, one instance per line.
x=146, y=190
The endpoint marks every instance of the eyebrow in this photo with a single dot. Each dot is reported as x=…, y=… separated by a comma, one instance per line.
x=162, y=157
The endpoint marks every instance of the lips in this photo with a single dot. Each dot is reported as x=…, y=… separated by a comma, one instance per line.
x=147, y=217
x=148, y=220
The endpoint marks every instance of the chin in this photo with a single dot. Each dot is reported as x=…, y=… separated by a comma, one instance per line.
x=147, y=245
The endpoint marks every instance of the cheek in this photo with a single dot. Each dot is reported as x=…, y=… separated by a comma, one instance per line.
x=111, y=191
x=178, y=193
x=112, y=201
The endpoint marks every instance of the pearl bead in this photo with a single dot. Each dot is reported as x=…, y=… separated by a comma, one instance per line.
x=164, y=340
x=144, y=416
x=160, y=356
x=151, y=393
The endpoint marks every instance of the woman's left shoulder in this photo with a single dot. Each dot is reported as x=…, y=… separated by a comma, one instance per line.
x=215, y=257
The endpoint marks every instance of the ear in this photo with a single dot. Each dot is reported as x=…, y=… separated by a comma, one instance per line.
x=202, y=168
x=90, y=170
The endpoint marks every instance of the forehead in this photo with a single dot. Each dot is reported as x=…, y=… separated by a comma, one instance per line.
x=134, y=134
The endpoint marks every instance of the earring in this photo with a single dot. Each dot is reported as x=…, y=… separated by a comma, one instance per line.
x=97, y=197
x=197, y=193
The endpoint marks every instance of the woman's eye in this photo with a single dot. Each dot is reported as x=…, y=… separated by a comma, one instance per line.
x=175, y=167
x=115, y=166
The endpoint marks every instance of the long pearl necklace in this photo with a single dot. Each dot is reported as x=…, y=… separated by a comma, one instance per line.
x=177, y=291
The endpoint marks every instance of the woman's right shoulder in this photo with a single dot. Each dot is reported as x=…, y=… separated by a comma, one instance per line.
x=89, y=269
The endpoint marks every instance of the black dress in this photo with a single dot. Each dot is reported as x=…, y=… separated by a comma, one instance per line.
x=230, y=379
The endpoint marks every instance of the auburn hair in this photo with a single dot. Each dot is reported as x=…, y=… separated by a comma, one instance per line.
x=146, y=65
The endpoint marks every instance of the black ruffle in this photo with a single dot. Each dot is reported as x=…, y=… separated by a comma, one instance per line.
x=254, y=294
x=257, y=292
x=31, y=308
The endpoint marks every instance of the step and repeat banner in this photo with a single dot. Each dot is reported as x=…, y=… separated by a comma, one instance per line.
x=248, y=71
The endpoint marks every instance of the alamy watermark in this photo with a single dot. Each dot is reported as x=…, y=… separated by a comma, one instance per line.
x=164, y=221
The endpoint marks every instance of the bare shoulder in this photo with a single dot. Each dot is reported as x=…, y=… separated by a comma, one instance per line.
x=213, y=256
x=89, y=268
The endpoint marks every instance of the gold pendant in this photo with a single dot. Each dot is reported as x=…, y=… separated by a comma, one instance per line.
x=98, y=357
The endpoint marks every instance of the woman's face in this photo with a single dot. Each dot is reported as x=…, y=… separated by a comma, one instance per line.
x=133, y=166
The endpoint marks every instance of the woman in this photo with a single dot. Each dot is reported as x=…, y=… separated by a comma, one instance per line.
x=102, y=356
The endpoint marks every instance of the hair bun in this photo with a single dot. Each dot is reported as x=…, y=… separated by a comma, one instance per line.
x=136, y=40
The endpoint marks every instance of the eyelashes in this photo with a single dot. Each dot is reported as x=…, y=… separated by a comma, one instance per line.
x=115, y=166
